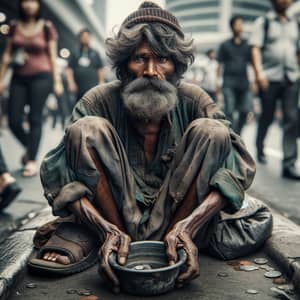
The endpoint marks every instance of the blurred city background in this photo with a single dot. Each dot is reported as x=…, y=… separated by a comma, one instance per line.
x=207, y=21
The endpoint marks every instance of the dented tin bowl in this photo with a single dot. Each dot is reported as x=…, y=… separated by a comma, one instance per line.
x=147, y=271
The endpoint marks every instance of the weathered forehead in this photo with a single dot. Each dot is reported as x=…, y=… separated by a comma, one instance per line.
x=144, y=47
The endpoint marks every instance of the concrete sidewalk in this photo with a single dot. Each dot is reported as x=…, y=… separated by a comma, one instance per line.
x=282, y=250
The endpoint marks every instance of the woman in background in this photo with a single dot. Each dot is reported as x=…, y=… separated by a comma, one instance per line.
x=31, y=50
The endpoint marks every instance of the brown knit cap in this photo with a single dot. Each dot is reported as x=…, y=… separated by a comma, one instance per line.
x=151, y=12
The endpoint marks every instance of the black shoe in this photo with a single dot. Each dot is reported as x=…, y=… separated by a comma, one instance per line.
x=9, y=194
x=261, y=158
x=291, y=173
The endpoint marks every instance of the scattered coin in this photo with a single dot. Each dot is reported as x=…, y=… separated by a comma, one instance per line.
x=223, y=274
x=260, y=261
x=252, y=292
x=71, y=291
x=248, y=268
x=272, y=274
x=266, y=267
x=31, y=285
x=84, y=293
x=142, y=267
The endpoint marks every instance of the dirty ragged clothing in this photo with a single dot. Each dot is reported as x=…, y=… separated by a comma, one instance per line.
x=146, y=193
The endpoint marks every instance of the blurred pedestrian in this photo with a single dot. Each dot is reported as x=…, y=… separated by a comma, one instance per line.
x=85, y=66
x=234, y=58
x=9, y=188
x=209, y=74
x=31, y=49
x=275, y=54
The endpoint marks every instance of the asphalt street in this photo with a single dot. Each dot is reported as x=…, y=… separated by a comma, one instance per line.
x=281, y=194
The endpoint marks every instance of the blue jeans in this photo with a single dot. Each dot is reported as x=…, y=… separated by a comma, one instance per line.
x=237, y=100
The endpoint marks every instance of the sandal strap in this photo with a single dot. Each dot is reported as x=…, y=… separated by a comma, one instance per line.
x=74, y=240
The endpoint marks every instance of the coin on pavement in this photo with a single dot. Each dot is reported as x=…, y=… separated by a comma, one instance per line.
x=252, y=292
x=260, y=261
x=272, y=274
x=222, y=274
x=248, y=268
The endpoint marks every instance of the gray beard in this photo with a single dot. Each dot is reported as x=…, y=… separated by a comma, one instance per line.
x=149, y=99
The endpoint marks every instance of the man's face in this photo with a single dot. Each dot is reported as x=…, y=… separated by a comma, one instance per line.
x=85, y=38
x=149, y=95
x=237, y=27
x=144, y=63
x=281, y=5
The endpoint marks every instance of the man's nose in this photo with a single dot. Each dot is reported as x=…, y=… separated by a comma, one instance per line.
x=150, y=69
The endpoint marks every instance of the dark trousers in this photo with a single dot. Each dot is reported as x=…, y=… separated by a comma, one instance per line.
x=237, y=100
x=287, y=92
x=3, y=167
x=31, y=90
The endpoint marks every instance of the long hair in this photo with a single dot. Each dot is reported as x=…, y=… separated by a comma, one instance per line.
x=163, y=41
x=22, y=15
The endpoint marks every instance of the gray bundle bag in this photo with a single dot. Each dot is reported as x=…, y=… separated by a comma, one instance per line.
x=242, y=233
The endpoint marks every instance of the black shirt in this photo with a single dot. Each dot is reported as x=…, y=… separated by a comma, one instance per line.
x=235, y=59
x=85, y=65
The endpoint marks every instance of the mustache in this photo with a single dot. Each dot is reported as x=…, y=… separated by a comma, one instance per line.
x=155, y=84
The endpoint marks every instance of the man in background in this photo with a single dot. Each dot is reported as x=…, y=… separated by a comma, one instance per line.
x=209, y=74
x=234, y=58
x=85, y=69
x=275, y=55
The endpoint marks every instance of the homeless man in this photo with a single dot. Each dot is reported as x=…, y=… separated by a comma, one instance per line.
x=146, y=157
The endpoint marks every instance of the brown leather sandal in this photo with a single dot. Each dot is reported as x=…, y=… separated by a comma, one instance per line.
x=73, y=240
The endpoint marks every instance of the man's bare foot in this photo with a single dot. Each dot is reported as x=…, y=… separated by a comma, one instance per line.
x=58, y=258
x=5, y=180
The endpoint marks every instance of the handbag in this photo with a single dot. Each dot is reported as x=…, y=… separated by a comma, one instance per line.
x=18, y=58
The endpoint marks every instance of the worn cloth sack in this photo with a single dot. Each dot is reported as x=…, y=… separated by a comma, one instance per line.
x=242, y=233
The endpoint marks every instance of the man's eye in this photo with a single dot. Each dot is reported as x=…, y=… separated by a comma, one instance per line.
x=139, y=59
x=162, y=59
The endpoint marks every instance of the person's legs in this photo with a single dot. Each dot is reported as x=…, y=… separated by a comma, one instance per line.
x=205, y=145
x=92, y=146
x=16, y=103
x=244, y=101
x=39, y=87
x=268, y=99
x=229, y=103
x=290, y=123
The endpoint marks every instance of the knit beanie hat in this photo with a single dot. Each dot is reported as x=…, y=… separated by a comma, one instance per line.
x=151, y=12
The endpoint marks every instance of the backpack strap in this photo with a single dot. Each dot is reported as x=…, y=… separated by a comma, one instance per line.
x=46, y=31
x=13, y=27
x=266, y=31
x=298, y=41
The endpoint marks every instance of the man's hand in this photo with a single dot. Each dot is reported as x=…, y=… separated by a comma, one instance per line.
x=179, y=237
x=262, y=82
x=72, y=87
x=2, y=87
x=116, y=241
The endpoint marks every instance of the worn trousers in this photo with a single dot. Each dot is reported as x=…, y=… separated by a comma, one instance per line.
x=287, y=93
x=201, y=152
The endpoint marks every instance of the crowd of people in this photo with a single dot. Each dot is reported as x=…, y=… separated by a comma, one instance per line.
x=265, y=65
x=39, y=75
